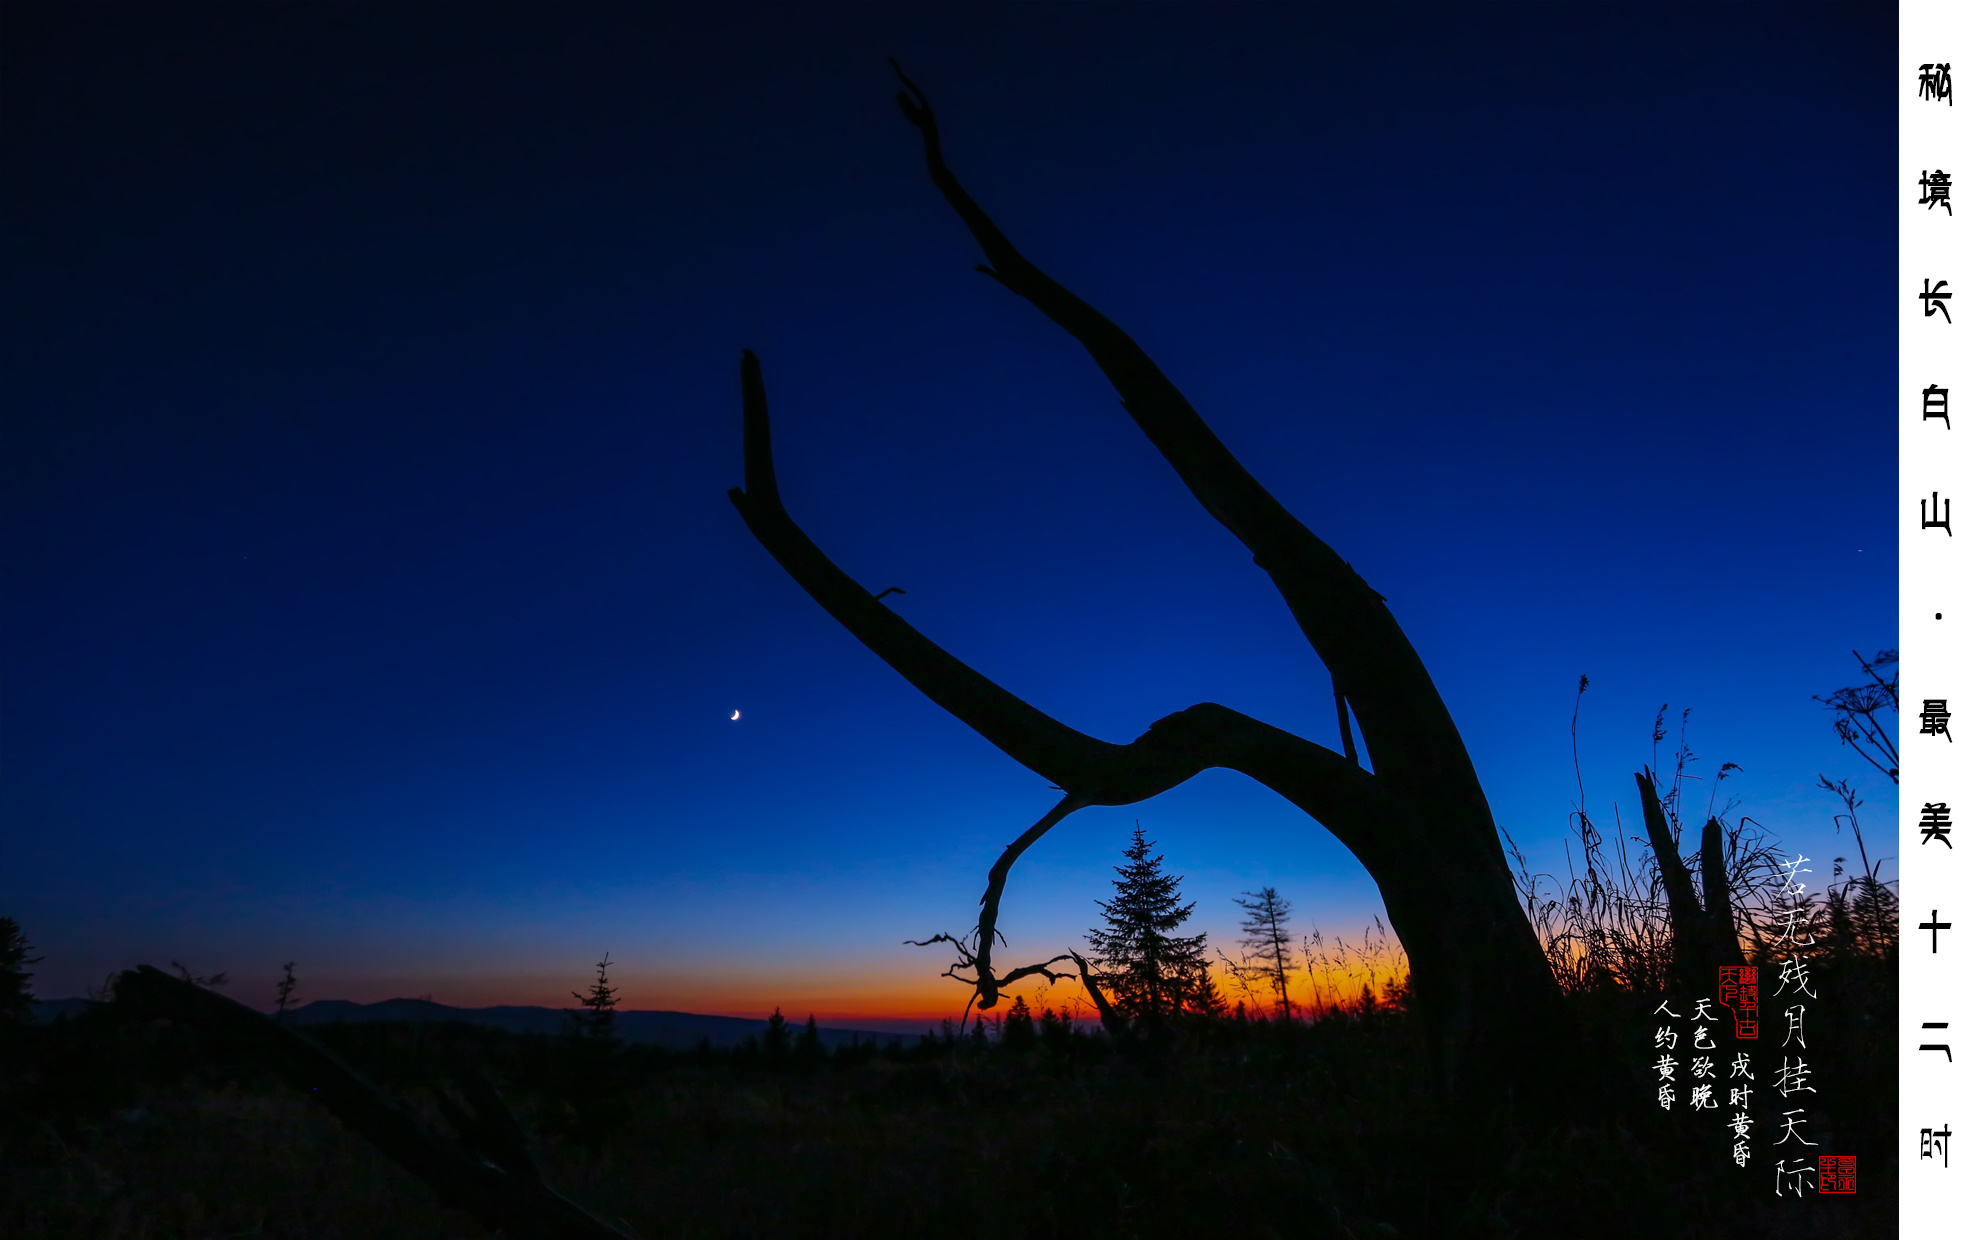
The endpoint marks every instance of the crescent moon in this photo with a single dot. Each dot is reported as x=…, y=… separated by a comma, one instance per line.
x=735, y=716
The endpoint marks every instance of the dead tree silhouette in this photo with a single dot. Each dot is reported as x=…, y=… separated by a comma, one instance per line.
x=1702, y=935
x=1418, y=820
x=486, y=1169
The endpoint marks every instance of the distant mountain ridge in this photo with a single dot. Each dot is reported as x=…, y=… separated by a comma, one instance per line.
x=672, y=1030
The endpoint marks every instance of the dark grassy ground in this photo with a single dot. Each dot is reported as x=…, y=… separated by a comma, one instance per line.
x=111, y=1129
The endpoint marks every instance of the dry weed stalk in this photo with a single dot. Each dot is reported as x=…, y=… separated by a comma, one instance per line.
x=1608, y=923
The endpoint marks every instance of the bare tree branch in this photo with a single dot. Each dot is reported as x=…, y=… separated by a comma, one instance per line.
x=1345, y=726
x=1011, y=724
x=1344, y=619
x=1418, y=820
x=487, y=1127
x=980, y=977
x=1115, y=1024
x=1091, y=771
x=492, y=1177
x=992, y=898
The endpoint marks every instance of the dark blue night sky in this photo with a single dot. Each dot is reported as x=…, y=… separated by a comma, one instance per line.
x=371, y=597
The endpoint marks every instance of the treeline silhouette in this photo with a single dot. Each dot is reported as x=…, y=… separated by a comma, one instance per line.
x=125, y=1122
x=167, y=1109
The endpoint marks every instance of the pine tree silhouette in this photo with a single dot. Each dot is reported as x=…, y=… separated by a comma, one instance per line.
x=15, y=996
x=1019, y=1031
x=593, y=1078
x=599, y=1015
x=809, y=1049
x=1150, y=971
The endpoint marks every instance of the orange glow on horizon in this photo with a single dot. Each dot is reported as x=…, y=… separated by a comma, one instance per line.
x=1327, y=976
x=838, y=1001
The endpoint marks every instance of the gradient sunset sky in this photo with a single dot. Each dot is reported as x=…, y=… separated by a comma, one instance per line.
x=370, y=597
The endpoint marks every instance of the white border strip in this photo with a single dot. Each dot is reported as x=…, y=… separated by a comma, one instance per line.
x=1938, y=570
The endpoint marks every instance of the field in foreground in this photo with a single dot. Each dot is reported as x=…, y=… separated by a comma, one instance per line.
x=114, y=1129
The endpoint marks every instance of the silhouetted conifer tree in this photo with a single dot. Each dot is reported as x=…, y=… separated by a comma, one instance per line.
x=283, y=989
x=1266, y=933
x=1149, y=970
x=776, y=1038
x=600, y=1015
x=810, y=1047
x=1054, y=1030
x=1019, y=1032
x=1202, y=995
x=15, y=996
x=593, y=1073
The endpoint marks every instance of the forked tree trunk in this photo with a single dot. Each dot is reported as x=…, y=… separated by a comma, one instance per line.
x=1703, y=936
x=1417, y=820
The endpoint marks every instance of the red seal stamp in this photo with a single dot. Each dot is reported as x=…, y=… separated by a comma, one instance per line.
x=1737, y=989
x=1837, y=1173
